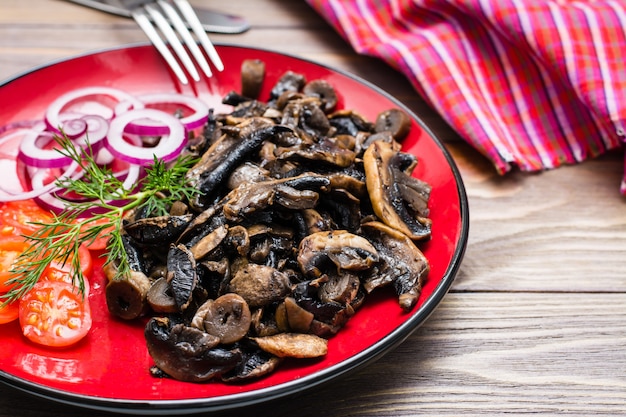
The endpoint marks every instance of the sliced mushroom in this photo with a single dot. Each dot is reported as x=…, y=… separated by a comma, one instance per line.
x=307, y=115
x=160, y=229
x=181, y=275
x=213, y=171
x=349, y=122
x=289, y=81
x=293, y=345
x=252, y=76
x=343, y=207
x=265, y=322
x=252, y=197
x=395, y=121
x=341, y=288
x=126, y=296
x=186, y=353
x=298, y=318
x=209, y=242
x=260, y=285
x=160, y=298
x=325, y=91
x=246, y=173
x=315, y=222
x=345, y=250
x=227, y=317
x=326, y=151
x=383, y=170
x=330, y=312
x=255, y=364
x=402, y=264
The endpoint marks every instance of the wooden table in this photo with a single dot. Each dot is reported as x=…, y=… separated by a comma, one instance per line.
x=536, y=319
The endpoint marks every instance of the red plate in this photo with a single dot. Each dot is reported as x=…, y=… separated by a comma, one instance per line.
x=109, y=370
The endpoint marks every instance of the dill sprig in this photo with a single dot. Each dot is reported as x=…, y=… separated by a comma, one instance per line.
x=97, y=213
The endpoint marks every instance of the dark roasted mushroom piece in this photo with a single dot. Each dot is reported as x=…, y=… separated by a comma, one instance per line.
x=252, y=197
x=395, y=121
x=221, y=159
x=127, y=297
x=345, y=250
x=181, y=275
x=401, y=264
x=252, y=76
x=160, y=298
x=227, y=317
x=289, y=81
x=388, y=179
x=186, y=353
x=260, y=285
x=293, y=345
x=151, y=230
x=255, y=364
x=324, y=91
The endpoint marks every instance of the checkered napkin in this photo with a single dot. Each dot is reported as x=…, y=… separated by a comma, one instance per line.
x=533, y=84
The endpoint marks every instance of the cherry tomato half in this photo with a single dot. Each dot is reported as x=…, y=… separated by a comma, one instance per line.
x=10, y=248
x=54, y=314
x=100, y=242
x=8, y=312
x=17, y=217
x=64, y=272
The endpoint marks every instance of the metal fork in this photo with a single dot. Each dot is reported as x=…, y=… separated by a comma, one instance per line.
x=145, y=12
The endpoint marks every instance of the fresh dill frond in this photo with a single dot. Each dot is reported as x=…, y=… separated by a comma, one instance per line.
x=100, y=208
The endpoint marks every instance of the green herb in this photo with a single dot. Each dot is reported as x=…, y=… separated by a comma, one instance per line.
x=103, y=194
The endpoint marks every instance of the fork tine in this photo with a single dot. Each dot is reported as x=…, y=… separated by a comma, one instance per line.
x=182, y=30
x=173, y=40
x=144, y=23
x=192, y=19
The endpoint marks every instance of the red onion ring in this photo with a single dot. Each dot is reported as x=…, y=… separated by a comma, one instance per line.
x=96, y=131
x=167, y=149
x=197, y=119
x=39, y=188
x=33, y=153
x=74, y=128
x=53, y=112
x=10, y=187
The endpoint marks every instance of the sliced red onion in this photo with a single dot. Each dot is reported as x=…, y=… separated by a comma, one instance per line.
x=96, y=131
x=132, y=176
x=33, y=153
x=8, y=163
x=22, y=124
x=53, y=118
x=39, y=188
x=74, y=128
x=167, y=149
x=149, y=127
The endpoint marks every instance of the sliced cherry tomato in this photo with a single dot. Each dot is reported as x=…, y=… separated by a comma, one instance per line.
x=54, y=314
x=18, y=217
x=8, y=312
x=10, y=248
x=100, y=243
x=84, y=259
x=64, y=272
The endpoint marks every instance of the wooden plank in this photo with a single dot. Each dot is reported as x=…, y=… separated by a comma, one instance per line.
x=560, y=230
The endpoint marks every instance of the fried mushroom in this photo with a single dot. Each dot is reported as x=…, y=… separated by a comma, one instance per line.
x=402, y=264
x=386, y=171
x=186, y=353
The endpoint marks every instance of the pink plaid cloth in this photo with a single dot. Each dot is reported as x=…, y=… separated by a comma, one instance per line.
x=529, y=83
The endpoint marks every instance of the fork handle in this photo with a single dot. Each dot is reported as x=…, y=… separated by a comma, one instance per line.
x=212, y=21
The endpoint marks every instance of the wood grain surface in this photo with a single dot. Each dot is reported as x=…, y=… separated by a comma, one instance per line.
x=535, y=322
